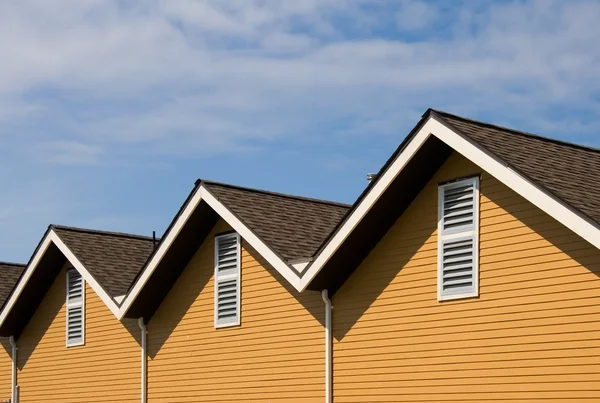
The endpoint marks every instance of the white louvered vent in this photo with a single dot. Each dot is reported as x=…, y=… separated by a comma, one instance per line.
x=227, y=280
x=458, y=241
x=75, y=308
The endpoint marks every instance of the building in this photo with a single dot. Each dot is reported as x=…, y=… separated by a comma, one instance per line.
x=468, y=270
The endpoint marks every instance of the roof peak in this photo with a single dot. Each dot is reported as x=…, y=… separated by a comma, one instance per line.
x=268, y=192
x=102, y=232
x=512, y=131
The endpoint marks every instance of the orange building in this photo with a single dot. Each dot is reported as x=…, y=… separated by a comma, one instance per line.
x=468, y=270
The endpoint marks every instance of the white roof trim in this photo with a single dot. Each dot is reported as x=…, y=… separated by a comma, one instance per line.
x=524, y=187
x=204, y=194
x=282, y=267
x=300, y=266
x=52, y=237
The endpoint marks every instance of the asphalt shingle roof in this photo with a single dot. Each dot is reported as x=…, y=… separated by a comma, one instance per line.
x=113, y=258
x=292, y=226
x=568, y=171
x=9, y=275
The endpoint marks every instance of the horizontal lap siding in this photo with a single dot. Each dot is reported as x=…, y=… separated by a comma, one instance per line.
x=5, y=370
x=277, y=354
x=106, y=368
x=532, y=335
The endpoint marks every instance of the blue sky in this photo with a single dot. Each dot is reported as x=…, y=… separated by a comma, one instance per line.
x=110, y=109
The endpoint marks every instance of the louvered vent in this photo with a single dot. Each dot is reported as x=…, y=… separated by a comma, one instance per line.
x=458, y=239
x=457, y=267
x=227, y=280
x=75, y=308
x=458, y=206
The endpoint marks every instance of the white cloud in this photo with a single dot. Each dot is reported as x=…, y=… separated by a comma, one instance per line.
x=215, y=76
x=126, y=85
x=416, y=15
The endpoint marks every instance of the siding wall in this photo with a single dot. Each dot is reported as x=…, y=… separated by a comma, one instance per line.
x=533, y=334
x=5, y=369
x=105, y=369
x=276, y=355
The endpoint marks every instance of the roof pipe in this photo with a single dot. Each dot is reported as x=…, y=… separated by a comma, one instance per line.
x=328, y=344
x=144, y=365
x=13, y=354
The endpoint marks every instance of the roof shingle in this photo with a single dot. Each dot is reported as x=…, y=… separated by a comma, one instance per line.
x=568, y=171
x=292, y=226
x=114, y=259
x=9, y=275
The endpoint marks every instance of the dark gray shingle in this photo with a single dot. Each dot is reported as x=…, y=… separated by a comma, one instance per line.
x=114, y=259
x=292, y=226
x=570, y=172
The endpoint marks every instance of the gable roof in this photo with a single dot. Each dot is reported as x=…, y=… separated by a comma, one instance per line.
x=9, y=275
x=560, y=178
x=569, y=171
x=286, y=230
x=293, y=226
x=107, y=261
x=113, y=258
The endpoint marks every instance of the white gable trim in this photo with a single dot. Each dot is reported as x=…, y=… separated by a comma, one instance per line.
x=286, y=271
x=530, y=191
x=383, y=182
x=524, y=187
x=203, y=194
x=52, y=237
x=164, y=246
x=108, y=301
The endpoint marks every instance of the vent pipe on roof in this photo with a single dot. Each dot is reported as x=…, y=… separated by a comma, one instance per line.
x=153, y=239
x=371, y=177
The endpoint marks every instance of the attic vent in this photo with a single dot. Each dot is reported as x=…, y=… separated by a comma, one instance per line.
x=75, y=308
x=227, y=280
x=458, y=240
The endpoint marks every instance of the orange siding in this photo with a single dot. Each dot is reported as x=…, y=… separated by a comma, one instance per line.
x=106, y=368
x=277, y=354
x=5, y=370
x=532, y=335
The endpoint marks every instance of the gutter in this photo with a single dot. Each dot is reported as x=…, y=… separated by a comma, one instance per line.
x=13, y=389
x=144, y=363
x=328, y=343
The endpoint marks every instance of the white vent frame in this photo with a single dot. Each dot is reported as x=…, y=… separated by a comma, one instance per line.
x=78, y=304
x=458, y=235
x=219, y=278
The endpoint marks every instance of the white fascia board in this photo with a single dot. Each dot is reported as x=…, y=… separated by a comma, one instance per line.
x=25, y=278
x=282, y=268
x=108, y=301
x=365, y=205
x=524, y=187
x=52, y=237
x=164, y=246
x=202, y=194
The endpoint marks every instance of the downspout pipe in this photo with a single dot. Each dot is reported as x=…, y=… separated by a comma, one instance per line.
x=144, y=366
x=328, y=344
x=13, y=354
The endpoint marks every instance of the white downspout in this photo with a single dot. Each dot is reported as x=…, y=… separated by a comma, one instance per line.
x=144, y=359
x=13, y=354
x=328, y=342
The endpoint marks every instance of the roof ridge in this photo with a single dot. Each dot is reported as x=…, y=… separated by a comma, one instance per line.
x=515, y=131
x=12, y=264
x=103, y=232
x=268, y=192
